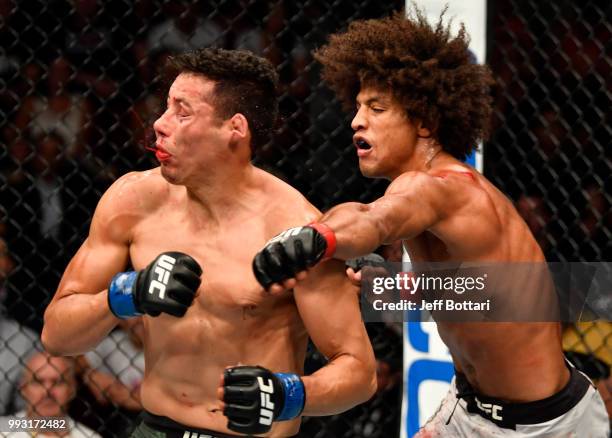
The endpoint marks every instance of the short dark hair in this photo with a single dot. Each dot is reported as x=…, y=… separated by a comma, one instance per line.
x=244, y=83
x=426, y=69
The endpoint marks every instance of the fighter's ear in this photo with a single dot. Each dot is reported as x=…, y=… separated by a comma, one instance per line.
x=422, y=130
x=239, y=126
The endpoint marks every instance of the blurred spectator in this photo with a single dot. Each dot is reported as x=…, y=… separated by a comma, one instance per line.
x=17, y=344
x=112, y=374
x=114, y=370
x=59, y=111
x=47, y=213
x=48, y=386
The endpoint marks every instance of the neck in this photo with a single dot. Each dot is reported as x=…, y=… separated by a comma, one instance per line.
x=222, y=192
x=426, y=151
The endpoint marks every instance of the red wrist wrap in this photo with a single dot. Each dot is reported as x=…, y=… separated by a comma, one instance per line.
x=329, y=236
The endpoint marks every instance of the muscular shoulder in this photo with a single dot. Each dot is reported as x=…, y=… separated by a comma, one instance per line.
x=468, y=204
x=130, y=198
x=456, y=178
x=136, y=191
x=451, y=188
x=285, y=206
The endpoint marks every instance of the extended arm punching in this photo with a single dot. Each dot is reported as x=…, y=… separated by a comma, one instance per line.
x=413, y=203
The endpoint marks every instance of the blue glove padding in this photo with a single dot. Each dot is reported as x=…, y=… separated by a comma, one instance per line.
x=168, y=284
x=255, y=397
x=120, y=295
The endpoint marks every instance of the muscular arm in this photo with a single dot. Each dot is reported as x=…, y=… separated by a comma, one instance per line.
x=329, y=307
x=413, y=203
x=78, y=317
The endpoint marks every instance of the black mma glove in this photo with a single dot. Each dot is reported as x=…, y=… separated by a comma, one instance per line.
x=254, y=397
x=168, y=285
x=371, y=259
x=292, y=251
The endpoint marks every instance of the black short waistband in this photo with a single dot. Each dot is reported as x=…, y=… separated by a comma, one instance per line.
x=508, y=415
x=172, y=429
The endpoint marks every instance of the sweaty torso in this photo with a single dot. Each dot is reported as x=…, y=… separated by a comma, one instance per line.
x=232, y=320
x=514, y=361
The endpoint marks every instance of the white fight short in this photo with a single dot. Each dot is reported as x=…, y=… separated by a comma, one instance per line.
x=577, y=411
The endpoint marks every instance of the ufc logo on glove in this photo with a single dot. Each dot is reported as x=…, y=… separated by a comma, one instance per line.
x=167, y=285
x=266, y=413
x=162, y=270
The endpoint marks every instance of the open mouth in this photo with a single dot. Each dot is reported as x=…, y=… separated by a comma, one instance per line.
x=363, y=145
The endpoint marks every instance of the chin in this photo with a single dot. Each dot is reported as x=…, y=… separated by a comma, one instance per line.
x=370, y=172
x=169, y=176
x=365, y=170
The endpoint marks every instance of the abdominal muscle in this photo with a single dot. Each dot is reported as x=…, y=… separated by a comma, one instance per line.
x=186, y=357
x=515, y=362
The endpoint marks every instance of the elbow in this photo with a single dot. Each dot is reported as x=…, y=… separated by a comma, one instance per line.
x=373, y=387
x=49, y=340
x=370, y=382
x=367, y=384
x=49, y=343
x=370, y=375
x=368, y=379
x=53, y=345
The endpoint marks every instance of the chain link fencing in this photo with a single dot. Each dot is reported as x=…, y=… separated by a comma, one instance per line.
x=79, y=90
x=550, y=149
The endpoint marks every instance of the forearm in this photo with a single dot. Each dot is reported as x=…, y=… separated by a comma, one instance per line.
x=357, y=229
x=343, y=383
x=76, y=323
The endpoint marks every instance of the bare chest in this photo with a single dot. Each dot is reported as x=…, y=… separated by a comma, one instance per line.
x=224, y=255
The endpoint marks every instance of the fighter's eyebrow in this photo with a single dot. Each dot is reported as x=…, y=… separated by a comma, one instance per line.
x=180, y=101
x=372, y=100
x=376, y=99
